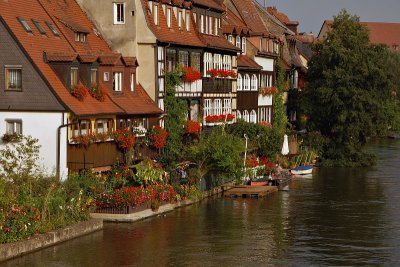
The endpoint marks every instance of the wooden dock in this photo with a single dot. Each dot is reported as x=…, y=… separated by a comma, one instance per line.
x=247, y=191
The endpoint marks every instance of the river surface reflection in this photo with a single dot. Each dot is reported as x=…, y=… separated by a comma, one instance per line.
x=337, y=217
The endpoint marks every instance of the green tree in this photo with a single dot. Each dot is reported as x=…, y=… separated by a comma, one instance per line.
x=280, y=118
x=175, y=109
x=348, y=91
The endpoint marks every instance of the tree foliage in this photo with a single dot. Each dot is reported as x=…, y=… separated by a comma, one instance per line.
x=348, y=94
x=280, y=118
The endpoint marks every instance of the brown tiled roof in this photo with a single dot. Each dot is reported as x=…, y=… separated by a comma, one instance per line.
x=210, y=4
x=248, y=11
x=86, y=58
x=73, y=26
x=130, y=61
x=218, y=42
x=379, y=32
x=174, y=34
x=245, y=62
x=60, y=56
x=137, y=102
x=59, y=48
x=281, y=16
x=109, y=59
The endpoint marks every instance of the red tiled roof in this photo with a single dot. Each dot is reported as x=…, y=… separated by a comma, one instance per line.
x=61, y=56
x=137, y=102
x=87, y=58
x=73, y=26
x=109, y=59
x=174, y=34
x=218, y=42
x=281, y=16
x=59, y=48
x=249, y=13
x=131, y=61
x=245, y=62
x=379, y=32
x=209, y=3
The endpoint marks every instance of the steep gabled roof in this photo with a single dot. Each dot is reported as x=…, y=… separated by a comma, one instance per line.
x=173, y=34
x=245, y=62
x=58, y=47
x=210, y=4
x=218, y=42
x=249, y=13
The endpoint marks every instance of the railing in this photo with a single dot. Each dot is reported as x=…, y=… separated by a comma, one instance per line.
x=190, y=87
x=217, y=85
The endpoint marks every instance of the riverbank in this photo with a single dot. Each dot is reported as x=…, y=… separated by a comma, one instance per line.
x=36, y=242
x=148, y=213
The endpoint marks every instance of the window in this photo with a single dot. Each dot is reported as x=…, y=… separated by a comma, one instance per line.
x=230, y=38
x=74, y=76
x=217, y=61
x=227, y=106
x=52, y=29
x=227, y=62
x=184, y=58
x=14, y=126
x=246, y=82
x=216, y=26
x=117, y=81
x=253, y=116
x=80, y=37
x=84, y=127
x=217, y=107
x=254, y=83
x=106, y=76
x=206, y=26
x=93, y=76
x=238, y=115
x=187, y=21
x=169, y=17
x=119, y=13
x=202, y=23
x=244, y=45
x=180, y=19
x=261, y=44
x=210, y=25
x=239, y=82
x=155, y=14
x=194, y=17
x=238, y=41
x=207, y=107
x=25, y=25
x=171, y=60
x=104, y=125
x=195, y=60
x=246, y=116
x=132, y=81
x=39, y=27
x=13, y=77
x=208, y=62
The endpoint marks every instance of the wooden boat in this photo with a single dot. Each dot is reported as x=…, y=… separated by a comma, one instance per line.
x=301, y=170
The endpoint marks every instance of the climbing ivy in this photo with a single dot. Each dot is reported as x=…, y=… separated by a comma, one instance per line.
x=280, y=119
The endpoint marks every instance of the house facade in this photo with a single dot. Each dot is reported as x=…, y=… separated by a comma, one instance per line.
x=90, y=91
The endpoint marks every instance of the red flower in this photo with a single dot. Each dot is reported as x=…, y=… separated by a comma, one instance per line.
x=193, y=127
x=124, y=138
x=158, y=137
x=265, y=124
x=213, y=73
x=79, y=91
x=252, y=162
x=190, y=74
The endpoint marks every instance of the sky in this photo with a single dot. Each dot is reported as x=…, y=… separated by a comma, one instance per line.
x=312, y=13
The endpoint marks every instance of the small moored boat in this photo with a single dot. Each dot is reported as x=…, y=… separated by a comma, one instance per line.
x=301, y=170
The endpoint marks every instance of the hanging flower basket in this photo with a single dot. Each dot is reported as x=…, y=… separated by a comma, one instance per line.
x=124, y=139
x=158, y=137
x=190, y=74
x=79, y=91
x=266, y=91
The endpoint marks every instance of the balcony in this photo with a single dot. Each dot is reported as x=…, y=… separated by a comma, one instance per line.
x=190, y=87
x=217, y=85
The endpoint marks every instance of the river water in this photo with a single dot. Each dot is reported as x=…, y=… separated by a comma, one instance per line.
x=337, y=217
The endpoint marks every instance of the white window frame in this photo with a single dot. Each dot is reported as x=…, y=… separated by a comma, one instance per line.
x=216, y=26
x=244, y=45
x=239, y=85
x=117, y=81
x=253, y=116
x=246, y=116
x=13, y=73
x=155, y=14
x=210, y=25
x=208, y=107
x=119, y=7
x=227, y=108
x=238, y=41
x=246, y=82
x=187, y=21
x=180, y=19
x=202, y=23
x=254, y=83
x=132, y=82
x=238, y=115
x=217, y=61
x=208, y=62
x=217, y=105
x=230, y=38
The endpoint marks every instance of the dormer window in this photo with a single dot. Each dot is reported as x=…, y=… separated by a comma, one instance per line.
x=25, y=25
x=230, y=38
x=238, y=41
x=119, y=13
x=117, y=81
x=180, y=19
x=80, y=37
x=216, y=26
x=52, y=28
x=39, y=27
x=187, y=21
x=244, y=45
x=155, y=14
x=74, y=76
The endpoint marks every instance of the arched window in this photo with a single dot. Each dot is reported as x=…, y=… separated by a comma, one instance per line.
x=261, y=116
x=238, y=41
x=217, y=61
x=239, y=82
x=238, y=115
x=208, y=62
x=246, y=82
x=227, y=62
x=246, y=116
x=244, y=45
x=253, y=116
x=254, y=82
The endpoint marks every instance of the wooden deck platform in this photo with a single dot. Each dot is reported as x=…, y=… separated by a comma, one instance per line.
x=247, y=191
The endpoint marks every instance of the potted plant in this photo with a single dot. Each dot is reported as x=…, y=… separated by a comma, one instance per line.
x=79, y=91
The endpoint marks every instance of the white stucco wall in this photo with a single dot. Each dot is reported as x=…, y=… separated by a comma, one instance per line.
x=43, y=126
x=266, y=63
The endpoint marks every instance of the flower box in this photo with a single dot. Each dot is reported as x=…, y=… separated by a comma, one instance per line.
x=123, y=210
